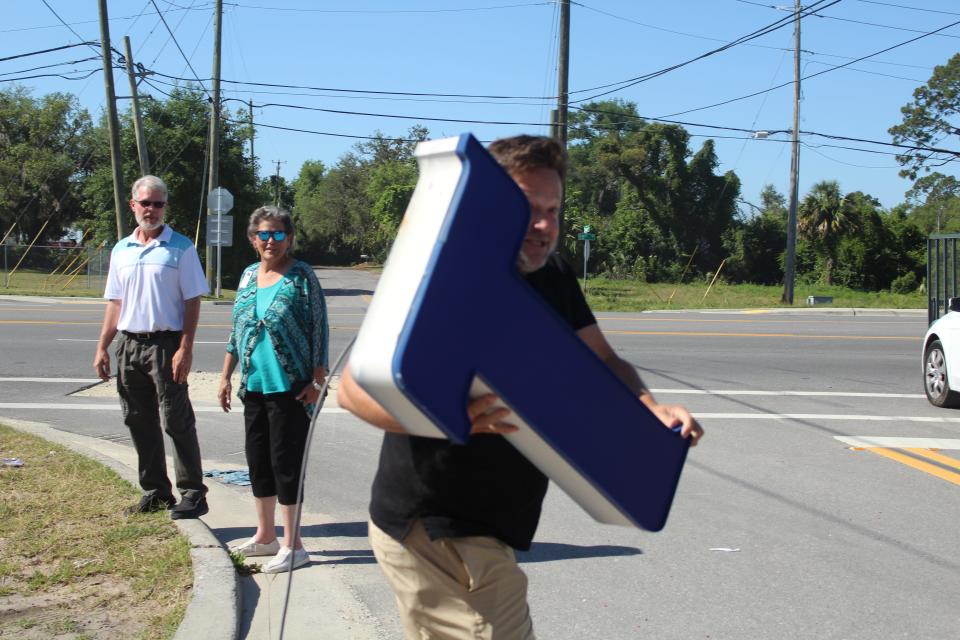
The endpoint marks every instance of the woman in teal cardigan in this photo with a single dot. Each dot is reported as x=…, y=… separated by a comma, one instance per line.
x=280, y=339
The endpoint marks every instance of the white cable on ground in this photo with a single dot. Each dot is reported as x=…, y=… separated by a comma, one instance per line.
x=303, y=475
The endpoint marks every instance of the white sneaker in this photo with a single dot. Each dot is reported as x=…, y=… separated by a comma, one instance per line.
x=252, y=548
x=281, y=562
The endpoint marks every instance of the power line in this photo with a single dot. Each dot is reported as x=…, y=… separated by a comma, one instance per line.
x=388, y=11
x=64, y=23
x=54, y=75
x=759, y=46
x=367, y=91
x=632, y=117
x=319, y=133
x=813, y=75
x=79, y=22
x=61, y=48
x=172, y=37
x=884, y=26
x=770, y=28
x=386, y=115
x=900, y=6
x=50, y=66
x=246, y=92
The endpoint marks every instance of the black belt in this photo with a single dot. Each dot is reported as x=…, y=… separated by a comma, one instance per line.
x=151, y=335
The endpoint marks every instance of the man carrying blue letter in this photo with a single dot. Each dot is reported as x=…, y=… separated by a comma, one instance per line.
x=153, y=299
x=445, y=518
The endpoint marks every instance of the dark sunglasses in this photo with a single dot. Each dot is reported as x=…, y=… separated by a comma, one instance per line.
x=279, y=236
x=156, y=204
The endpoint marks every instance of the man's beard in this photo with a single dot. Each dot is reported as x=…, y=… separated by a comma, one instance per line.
x=149, y=226
x=525, y=266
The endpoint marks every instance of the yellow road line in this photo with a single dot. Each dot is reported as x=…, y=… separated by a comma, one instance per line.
x=724, y=334
x=201, y=326
x=938, y=457
x=659, y=318
x=920, y=465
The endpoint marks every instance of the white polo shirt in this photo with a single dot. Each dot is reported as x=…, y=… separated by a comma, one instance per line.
x=152, y=281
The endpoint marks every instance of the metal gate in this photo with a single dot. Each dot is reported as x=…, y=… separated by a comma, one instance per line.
x=942, y=261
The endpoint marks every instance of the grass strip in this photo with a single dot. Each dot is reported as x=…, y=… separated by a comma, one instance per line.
x=632, y=295
x=71, y=562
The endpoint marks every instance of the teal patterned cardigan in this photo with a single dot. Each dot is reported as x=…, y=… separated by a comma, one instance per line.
x=296, y=323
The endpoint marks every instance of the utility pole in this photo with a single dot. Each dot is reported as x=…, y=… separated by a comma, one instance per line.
x=137, y=122
x=563, y=75
x=563, y=96
x=253, y=156
x=113, y=125
x=214, y=160
x=276, y=184
x=790, y=262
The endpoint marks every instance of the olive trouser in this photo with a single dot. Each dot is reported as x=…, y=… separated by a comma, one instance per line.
x=151, y=399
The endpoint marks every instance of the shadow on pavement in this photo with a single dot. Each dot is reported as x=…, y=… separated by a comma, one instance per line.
x=347, y=292
x=549, y=551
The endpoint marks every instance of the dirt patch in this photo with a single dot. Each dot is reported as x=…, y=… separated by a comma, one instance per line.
x=84, y=609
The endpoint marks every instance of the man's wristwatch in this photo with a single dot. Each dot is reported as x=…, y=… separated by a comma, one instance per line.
x=316, y=385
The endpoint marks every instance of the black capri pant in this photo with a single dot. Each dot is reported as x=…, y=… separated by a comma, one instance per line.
x=276, y=427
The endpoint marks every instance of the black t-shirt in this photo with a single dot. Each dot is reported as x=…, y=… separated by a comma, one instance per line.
x=484, y=487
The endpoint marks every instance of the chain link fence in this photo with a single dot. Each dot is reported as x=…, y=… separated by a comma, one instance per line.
x=54, y=269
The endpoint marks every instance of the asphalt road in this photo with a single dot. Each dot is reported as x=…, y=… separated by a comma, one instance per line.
x=779, y=528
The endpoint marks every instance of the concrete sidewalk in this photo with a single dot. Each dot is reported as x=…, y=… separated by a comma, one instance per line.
x=225, y=606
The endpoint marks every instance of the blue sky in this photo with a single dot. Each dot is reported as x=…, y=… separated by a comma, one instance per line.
x=509, y=48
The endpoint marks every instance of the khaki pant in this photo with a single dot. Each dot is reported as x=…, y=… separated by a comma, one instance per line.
x=455, y=588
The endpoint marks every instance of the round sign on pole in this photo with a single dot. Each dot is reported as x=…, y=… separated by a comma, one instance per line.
x=220, y=200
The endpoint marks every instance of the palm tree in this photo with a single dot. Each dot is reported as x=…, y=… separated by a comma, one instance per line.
x=824, y=218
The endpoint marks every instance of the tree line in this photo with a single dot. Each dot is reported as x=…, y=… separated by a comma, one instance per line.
x=659, y=207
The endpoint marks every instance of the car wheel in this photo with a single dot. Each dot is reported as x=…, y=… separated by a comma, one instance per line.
x=935, y=381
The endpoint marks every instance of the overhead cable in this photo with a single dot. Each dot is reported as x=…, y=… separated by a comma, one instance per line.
x=174, y=38
x=778, y=24
x=36, y=53
x=814, y=75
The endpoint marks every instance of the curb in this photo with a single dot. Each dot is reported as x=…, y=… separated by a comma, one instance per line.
x=215, y=581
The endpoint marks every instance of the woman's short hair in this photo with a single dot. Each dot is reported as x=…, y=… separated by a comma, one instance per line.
x=270, y=212
x=152, y=183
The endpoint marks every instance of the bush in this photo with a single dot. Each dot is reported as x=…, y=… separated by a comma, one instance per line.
x=907, y=283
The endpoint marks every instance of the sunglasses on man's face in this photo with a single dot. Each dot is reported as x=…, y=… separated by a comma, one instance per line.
x=156, y=204
x=279, y=236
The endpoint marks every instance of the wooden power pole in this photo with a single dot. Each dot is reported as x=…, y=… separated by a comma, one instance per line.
x=563, y=75
x=789, y=266
x=214, y=172
x=563, y=97
x=113, y=125
x=137, y=122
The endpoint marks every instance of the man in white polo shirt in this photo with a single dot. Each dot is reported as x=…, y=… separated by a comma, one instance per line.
x=153, y=299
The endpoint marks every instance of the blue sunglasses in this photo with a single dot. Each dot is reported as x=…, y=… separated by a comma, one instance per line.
x=279, y=236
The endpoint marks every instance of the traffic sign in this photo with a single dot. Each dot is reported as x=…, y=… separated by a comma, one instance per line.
x=220, y=227
x=586, y=228
x=586, y=236
x=220, y=200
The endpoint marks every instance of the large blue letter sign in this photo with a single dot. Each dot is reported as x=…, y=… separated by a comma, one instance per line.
x=452, y=318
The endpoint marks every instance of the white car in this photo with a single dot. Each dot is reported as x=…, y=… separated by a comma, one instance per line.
x=941, y=358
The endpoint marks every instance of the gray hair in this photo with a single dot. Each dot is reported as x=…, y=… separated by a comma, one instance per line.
x=152, y=183
x=270, y=212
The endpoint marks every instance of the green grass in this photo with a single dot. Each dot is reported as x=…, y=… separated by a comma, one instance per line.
x=632, y=295
x=64, y=538
x=40, y=283
x=37, y=283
